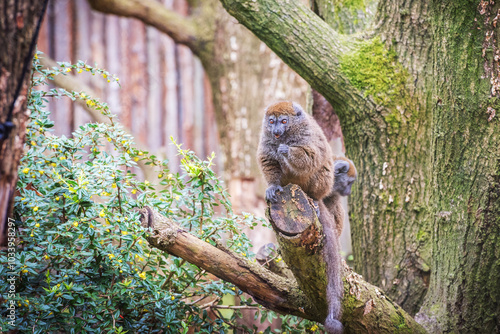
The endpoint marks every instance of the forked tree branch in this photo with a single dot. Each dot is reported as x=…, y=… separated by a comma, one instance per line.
x=365, y=308
x=271, y=290
x=302, y=40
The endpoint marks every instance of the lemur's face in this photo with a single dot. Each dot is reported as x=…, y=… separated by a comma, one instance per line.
x=282, y=117
x=343, y=179
x=278, y=125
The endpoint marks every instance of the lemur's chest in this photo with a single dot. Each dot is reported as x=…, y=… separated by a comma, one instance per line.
x=290, y=176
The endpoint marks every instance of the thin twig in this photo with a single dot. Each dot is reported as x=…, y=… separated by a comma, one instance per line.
x=210, y=304
x=196, y=301
x=171, y=274
x=235, y=307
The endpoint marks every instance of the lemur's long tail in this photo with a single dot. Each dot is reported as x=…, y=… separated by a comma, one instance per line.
x=335, y=287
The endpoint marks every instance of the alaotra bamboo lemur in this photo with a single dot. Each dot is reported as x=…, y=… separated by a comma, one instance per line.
x=293, y=149
x=345, y=175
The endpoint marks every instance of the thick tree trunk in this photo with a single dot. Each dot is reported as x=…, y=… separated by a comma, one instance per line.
x=391, y=214
x=378, y=130
x=18, y=23
x=425, y=140
x=465, y=280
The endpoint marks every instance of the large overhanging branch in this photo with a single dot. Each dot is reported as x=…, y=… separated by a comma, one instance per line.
x=298, y=36
x=181, y=29
x=365, y=308
x=196, y=31
x=70, y=83
x=302, y=40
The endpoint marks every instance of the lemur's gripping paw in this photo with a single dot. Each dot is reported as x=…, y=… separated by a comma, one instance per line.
x=283, y=149
x=271, y=193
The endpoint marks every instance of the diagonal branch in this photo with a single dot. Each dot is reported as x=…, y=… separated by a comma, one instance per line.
x=302, y=40
x=269, y=289
x=70, y=83
x=366, y=308
x=181, y=29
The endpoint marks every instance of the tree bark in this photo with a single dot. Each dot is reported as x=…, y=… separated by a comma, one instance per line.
x=18, y=23
x=465, y=178
x=366, y=308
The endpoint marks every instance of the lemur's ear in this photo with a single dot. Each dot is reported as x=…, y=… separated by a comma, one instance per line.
x=341, y=166
x=297, y=108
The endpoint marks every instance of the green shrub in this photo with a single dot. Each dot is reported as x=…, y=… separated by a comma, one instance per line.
x=82, y=262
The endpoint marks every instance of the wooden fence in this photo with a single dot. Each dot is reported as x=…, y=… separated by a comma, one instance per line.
x=163, y=93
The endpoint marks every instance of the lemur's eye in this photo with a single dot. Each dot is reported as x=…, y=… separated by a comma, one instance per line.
x=283, y=121
x=271, y=121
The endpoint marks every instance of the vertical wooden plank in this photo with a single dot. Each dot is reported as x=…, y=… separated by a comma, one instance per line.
x=113, y=62
x=50, y=27
x=198, y=109
x=132, y=62
x=161, y=83
x=125, y=96
x=185, y=87
x=46, y=44
x=82, y=52
x=43, y=36
x=186, y=94
x=153, y=109
x=63, y=52
x=170, y=102
x=210, y=132
x=62, y=109
x=179, y=88
x=138, y=78
x=97, y=49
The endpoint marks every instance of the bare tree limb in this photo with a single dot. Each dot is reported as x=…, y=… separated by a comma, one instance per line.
x=273, y=291
x=181, y=29
x=366, y=308
x=70, y=83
